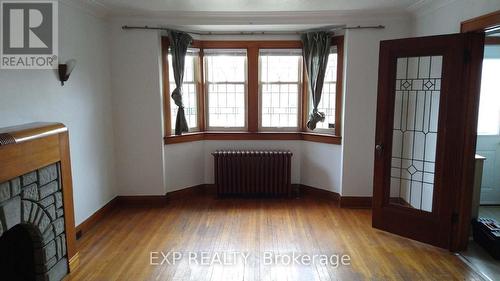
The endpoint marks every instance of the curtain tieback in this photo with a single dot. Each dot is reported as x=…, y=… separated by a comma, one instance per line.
x=314, y=118
x=177, y=97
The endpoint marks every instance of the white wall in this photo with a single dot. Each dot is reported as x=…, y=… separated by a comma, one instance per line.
x=137, y=102
x=445, y=16
x=83, y=104
x=321, y=166
x=314, y=164
x=147, y=167
x=184, y=165
x=137, y=111
x=191, y=164
x=360, y=104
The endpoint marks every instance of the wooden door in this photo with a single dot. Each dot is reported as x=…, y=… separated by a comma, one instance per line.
x=420, y=156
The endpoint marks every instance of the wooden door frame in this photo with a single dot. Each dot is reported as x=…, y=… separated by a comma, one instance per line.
x=472, y=84
x=482, y=23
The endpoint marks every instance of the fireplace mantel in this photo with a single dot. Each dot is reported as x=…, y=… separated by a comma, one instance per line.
x=30, y=147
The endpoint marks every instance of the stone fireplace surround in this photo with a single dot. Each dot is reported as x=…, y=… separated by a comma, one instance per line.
x=36, y=202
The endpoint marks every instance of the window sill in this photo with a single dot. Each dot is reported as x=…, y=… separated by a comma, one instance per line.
x=307, y=136
x=324, y=138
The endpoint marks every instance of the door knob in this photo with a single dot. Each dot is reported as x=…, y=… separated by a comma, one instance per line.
x=379, y=147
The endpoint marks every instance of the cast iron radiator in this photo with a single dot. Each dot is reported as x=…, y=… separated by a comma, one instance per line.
x=252, y=173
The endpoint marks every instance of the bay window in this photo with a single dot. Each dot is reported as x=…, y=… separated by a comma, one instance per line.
x=251, y=90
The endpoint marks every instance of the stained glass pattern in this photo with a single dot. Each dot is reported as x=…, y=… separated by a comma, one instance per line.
x=416, y=114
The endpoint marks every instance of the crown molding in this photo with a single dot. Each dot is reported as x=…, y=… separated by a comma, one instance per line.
x=264, y=17
x=424, y=7
x=90, y=7
x=100, y=10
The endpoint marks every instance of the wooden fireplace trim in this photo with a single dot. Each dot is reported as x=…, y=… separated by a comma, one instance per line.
x=28, y=147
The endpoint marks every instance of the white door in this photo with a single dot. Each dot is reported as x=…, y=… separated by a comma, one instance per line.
x=488, y=140
x=489, y=147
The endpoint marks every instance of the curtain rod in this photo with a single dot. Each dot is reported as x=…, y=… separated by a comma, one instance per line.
x=125, y=27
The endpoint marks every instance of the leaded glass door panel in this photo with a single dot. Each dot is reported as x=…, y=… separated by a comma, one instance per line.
x=415, y=130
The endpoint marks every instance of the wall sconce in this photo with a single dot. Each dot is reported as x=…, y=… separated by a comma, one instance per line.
x=65, y=70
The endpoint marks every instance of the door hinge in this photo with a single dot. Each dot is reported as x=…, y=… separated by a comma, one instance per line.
x=454, y=218
x=467, y=56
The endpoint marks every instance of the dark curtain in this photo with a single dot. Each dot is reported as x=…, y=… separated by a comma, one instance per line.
x=179, y=42
x=315, y=53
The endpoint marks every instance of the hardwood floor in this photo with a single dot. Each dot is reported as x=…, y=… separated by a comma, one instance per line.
x=119, y=248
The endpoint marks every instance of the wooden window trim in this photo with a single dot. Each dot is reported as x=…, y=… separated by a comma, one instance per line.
x=209, y=135
x=253, y=89
x=252, y=132
x=339, y=41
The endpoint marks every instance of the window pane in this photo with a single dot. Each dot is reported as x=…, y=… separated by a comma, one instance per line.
x=328, y=96
x=189, y=94
x=279, y=87
x=489, y=103
x=225, y=80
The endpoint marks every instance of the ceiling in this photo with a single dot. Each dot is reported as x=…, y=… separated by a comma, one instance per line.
x=253, y=15
x=143, y=7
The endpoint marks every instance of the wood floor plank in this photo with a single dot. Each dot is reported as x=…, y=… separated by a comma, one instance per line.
x=119, y=248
